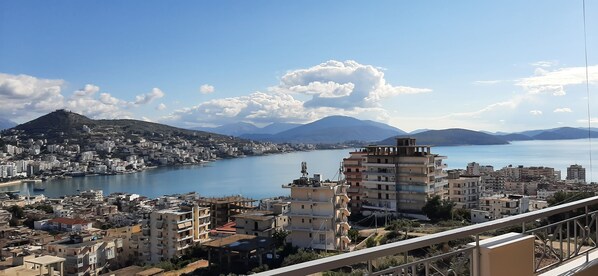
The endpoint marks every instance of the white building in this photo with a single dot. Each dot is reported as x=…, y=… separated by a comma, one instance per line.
x=319, y=216
x=173, y=231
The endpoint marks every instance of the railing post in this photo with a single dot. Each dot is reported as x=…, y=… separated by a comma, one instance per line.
x=479, y=255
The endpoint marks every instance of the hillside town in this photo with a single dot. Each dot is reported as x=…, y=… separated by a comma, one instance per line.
x=104, y=150
x=129, y=234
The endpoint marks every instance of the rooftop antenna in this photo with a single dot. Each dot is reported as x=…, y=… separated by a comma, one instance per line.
x=304, y=169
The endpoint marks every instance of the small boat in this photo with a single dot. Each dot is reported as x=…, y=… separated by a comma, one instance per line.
x=39, y=189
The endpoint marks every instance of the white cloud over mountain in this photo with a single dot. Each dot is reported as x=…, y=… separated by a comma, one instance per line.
x=333, y=87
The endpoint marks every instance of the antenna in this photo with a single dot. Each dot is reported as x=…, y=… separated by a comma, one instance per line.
x=304, y=169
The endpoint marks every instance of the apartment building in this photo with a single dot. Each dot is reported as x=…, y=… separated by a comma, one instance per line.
x=87, y=255
x=173, y=231
x=463, y=190
x=353, y=167
x=318, y=217
x=222, y=209
x=400, y=178
x=260, y=223
x=576, y=172
x=501, y=206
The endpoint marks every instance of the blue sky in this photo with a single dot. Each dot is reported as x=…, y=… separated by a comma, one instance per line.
x=500, y=66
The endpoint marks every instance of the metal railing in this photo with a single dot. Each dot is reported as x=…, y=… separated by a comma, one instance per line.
x=574, y=233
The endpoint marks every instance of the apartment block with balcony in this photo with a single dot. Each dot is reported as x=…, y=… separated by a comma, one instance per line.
x=400, y=178
x=319, y=214
x=174, y=231
x=260, y=223
x=501, y=206
x=463, y=190
x=353, y=168
x=86, y=255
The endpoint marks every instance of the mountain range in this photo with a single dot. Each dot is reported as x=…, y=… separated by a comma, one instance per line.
x=329, y=130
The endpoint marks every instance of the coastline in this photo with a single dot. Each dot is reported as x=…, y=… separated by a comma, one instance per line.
x=11, y=183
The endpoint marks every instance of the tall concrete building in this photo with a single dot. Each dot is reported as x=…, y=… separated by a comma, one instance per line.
x=353, y=167
x=576, y=172
x=463, y=190
x=173, y=231
x=318, y=217
x=400, y=178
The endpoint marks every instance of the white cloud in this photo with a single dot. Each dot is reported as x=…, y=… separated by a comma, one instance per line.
x=593, y=120
x=149, y=97
x=161, y=106
x=487, y=82
x=555, y=81
x=563, y=110
x=343, y=85
x=333, y=87
x=206, y=89
x=535, y=112
x=87, y=90
x=84, y=101
x=24, y=96
x=545, y=63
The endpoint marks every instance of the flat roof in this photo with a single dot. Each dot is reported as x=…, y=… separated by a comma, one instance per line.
x=240, y=242
x=45, y=260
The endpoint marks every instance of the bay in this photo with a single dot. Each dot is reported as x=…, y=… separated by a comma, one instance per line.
x=262, y=176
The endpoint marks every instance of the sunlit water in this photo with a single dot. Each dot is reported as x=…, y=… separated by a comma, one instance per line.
x=262, y=176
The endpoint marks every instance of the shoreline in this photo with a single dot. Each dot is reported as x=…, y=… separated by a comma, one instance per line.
x=11, y=183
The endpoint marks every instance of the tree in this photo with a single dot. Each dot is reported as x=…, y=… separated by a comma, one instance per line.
x=561, y=197
x=16, y=211
x=437, y=209
x=280, y=237
x=353, y=234
x=300, y=257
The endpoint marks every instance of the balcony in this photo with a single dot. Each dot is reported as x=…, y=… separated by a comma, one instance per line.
x=563, y=245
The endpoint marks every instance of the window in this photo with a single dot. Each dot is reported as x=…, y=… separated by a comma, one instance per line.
x=302, y=207
x=379, y=195
x=386, y=196
x=379, y=187
x=357, y=184
x=387, y=187
x=348, y=169
x=322, y=238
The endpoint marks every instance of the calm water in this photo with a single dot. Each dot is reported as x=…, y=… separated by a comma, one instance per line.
x=262, y=176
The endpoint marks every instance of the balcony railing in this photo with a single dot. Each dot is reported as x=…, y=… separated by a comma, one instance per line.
x=555, y=244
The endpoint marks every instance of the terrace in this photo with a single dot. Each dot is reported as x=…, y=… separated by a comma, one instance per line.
x=565, y=243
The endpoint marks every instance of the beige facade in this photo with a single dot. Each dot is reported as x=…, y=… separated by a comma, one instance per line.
x=87, y=257
x=173, y=231
x=260, y=223
x=319, y=215
x=353, y=168
x=400, y=178
x=463, y=190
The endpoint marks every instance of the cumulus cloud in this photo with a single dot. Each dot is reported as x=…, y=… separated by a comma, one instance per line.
x=24, y=95
x=206, y=89
x=156, y=93
x=344, y=85
x=535, y=112
x=333, y=87
x=161, y=106
x=563, y=110
x=555, y=81
x=84, y=101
